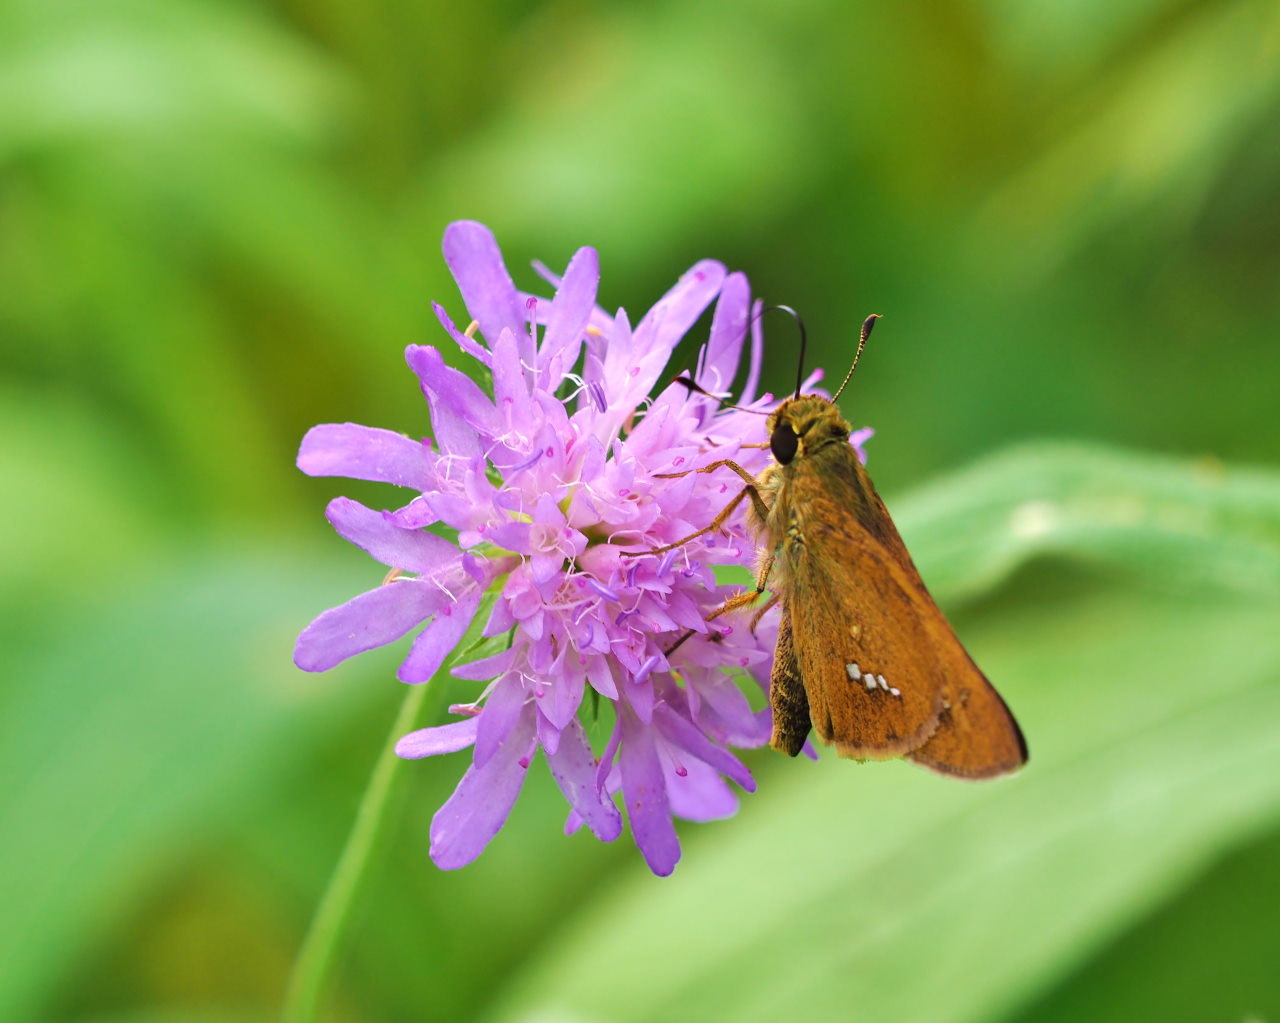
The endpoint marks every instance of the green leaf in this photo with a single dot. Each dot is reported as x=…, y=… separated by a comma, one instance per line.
x=1159, y=970
x=136, y=724
x=1192, y=524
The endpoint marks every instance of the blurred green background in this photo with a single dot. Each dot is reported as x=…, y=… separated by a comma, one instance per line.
x=220, y=224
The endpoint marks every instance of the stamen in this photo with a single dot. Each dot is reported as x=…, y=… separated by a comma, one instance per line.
x=597, y=396
x=527, y=462
x=646, y=669
x=603, y=590
x=532, y=305
x=676, y=762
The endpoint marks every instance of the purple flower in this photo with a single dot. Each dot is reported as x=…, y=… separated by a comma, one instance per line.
x=528, y=502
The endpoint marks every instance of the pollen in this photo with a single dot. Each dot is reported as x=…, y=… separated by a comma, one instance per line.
x=855, y=631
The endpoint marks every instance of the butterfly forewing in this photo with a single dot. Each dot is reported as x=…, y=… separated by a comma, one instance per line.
x=883, y=673
x=977, y=736
x=865, y=659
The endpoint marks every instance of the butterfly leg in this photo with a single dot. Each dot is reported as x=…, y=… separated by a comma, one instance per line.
x=743, y=599
x=749, y=597
x=769, y=606
x=750, y=490
x=723, y=463
x=715, y=524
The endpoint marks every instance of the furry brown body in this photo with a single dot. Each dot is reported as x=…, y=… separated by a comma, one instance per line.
x=864, y=655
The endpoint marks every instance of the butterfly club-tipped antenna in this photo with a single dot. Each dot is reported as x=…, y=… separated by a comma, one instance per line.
x=863, y=334
x=697, y=388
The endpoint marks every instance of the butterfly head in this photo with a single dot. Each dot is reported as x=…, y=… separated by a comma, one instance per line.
x=802, y=425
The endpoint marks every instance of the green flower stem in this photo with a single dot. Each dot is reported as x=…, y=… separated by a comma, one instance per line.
x=324, y=939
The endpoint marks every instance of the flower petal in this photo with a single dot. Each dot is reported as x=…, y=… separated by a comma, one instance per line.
x=502, y=712
x=567, y=686
x=700, y=794
x=486, y=668
x=858, y=439
x=428, y=742
x=452, y=389
x=548, y=734
x=366, y=453
x=410, y=549
x=370, y=620
x=605, y=765
x=544, y=567
x=681, y=731
x=510, y=389
x=434, y=643
x=639, y=697
x=644, y=791
x=723, y=710
x=500, y=619
x=468, y=344
x=414, y=515
x=573, y=766
x=661, y=330
x=728, y=333
x=454, y=435
x=476, y=264
x=757, y=354
x=513, y=536
x=479, y=805
x=680, y=307
x=570, y=311
x=601, y=675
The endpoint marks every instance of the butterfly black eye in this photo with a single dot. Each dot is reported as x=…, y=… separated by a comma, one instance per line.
x=783, y=443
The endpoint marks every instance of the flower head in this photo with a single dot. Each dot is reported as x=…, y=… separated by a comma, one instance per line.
x=532, y=502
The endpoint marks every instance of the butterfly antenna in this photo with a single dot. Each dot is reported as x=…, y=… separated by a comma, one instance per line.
x=697, y=388
x=804, y=337
x=865, y=333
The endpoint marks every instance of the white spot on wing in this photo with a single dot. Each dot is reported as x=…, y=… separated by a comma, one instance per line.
x=854, y=671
